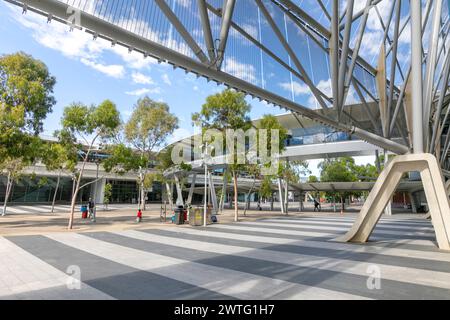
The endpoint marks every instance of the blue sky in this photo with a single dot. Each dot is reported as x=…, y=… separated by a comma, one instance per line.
x=91, y=71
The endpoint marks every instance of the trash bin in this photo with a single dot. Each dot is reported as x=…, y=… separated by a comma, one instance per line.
x=196, y=216
x=84, y=212
x=179, y=215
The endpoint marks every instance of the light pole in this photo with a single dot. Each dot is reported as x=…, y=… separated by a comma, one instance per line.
x=205, y=163
x=205, y=209
x=205, y=201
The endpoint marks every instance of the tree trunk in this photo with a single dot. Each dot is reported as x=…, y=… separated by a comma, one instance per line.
x=142, y=197
x=74, y=201
x=247, y=202
x=286, y=196
x=8, y=191
x=56, y=192
x=236, y=205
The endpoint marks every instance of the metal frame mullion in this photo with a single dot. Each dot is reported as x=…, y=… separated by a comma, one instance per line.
x=182, y=30
x=344, y=56
x=207, y=33
x=334, y=53
x=225, y=30
x=367, y=108
x=324, y=9
x=281, y=38
x=440, y=103
x=359, y=14
x=393, y=63
x=362, y=28
x=431, y=67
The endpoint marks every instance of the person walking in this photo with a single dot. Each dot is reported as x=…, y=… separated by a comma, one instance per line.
x=316, y=206
x=91, y=206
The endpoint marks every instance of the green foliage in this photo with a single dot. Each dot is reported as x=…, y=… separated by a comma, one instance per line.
x=366, y=172
x=225, y=110
x=270, y=122
x=82, y=122
x=265, y=189
x=292, y=171
x=149, y=126
x=59, y=156
x=345, y=170
x=43, y=181
x=313, y=179
x=26, y=89
x=151, y=178
x=122, y=159
x=338, y=170
x=107, y=193
x=164, y=159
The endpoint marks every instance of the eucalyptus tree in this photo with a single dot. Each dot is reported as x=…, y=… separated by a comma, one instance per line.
x=26, y=97
x=227, y=110
x=147, y=130
x=85, y=126
x=60, y=158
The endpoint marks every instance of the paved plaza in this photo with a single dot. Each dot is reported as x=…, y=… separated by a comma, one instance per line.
x=291, y=257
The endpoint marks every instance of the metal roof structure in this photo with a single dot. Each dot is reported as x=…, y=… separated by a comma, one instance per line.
x=318, y=49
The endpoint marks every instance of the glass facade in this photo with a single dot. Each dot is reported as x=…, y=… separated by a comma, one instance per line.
x=315, y=135
x=38, y=190
x=128, y=192
x=41, y=190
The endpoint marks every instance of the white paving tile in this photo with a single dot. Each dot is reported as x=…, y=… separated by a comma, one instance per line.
x=217, y=232
x=228, y=282
x=389, y=272
x=19, y=280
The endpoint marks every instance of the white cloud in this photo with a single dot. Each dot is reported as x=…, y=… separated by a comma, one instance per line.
x=195, y=88
x=143, y=91
x=140, y=78
x=114, y=71
x=240, y=70
x=166, y=79
x=298, y=88
x=79, y=45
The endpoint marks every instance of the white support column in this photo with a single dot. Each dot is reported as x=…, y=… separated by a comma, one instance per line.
x=280, y=194
x=191, y=189
x=224, y=192
x=433, y=183
x=388, y=209
x=213, y=193
x=169, y=195
x=180, y=201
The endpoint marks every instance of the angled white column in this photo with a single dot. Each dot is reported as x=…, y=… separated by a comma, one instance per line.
x=213, y=193
x=169, y=195
x=191, y=189
x=280, y=194
x=180, y=201
x=436, y=194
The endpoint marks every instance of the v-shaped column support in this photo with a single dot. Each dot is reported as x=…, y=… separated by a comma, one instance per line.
x=435, y=191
